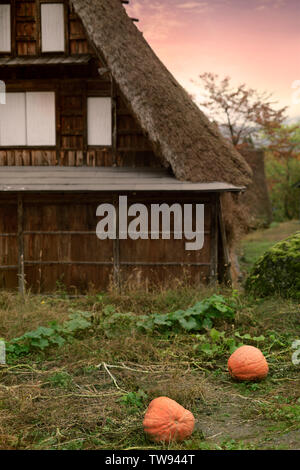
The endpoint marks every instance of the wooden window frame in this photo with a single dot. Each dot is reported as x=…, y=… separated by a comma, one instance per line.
x=54, y=147
x=10, y=53
x=98, y=95
x=39, y=27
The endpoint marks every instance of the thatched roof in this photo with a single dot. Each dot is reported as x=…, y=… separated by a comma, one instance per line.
x=179, y=132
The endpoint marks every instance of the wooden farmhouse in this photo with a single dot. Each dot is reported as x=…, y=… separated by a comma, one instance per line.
x=88, y=113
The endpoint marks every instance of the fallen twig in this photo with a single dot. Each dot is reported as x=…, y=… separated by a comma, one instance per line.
x=113, y=378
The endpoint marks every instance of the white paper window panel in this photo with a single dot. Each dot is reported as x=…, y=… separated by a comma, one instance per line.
x=28, y=119
x=99, y=121
x=5, y=29
x=13, y=120
x=53, y=27
x=40, y=118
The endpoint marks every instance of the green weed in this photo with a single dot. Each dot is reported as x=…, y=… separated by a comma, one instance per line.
x=44, y=337
x=60, y=379
x=198, y=317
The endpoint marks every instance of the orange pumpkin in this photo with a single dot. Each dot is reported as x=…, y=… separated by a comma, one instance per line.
x=248, y=363
x=165, y=420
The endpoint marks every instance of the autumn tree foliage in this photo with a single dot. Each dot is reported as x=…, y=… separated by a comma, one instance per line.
x=283, y=140
x=240, y=112
x=283, y=167
x=246, y=116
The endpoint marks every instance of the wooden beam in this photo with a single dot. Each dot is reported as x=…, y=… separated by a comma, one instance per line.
x=114, y=120
x=126, y=2
x=214, y=241
x=85, y=121
x=21, y=275
x=116, y=247
x=227, y=279
x=58, y=122
x=152, y=264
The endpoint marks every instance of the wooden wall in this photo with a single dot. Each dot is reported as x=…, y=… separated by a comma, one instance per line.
x=27, y=31
x=58, y=233
x=72, y=85
x=130, y=147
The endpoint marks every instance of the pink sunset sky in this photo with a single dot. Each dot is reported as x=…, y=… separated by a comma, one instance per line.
x=256, y=42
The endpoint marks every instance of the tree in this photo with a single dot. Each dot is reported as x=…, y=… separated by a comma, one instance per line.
x=284, y=147
x=283, y=140
x=240, y=112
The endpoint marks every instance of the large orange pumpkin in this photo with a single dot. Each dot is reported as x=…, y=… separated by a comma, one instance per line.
x=248, y=363
x=165, y=420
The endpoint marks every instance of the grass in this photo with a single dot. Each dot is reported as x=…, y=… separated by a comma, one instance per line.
x=256, y=243
x=92, y=392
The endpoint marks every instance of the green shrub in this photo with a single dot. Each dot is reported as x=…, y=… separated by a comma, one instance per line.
x=277, y=271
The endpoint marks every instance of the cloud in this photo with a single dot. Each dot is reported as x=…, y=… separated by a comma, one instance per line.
x=195, y=7
x=274, y=4
x=192, y=5
x=157, y=19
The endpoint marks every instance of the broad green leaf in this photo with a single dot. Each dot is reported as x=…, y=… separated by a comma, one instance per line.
x=190, y=324
x=214, y=334
x=162, y=320
x=40, y=343
x=206, y=348
x=177, y=315
x=207, y=323
x=58, y=340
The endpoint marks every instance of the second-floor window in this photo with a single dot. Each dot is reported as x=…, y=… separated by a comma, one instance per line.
x=52, y=27
x=28, y=119
x=5, y=28
x=99, y=121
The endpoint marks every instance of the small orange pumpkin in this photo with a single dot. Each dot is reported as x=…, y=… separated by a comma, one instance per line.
x=248, y=363
x=165, y=420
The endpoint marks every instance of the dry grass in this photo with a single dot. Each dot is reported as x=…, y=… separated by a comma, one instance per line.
x=19, y=315
x=275, y=233
x=93, y=392
x=255, y=243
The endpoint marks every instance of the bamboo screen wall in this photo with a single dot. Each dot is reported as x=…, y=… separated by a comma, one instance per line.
x=52, y=237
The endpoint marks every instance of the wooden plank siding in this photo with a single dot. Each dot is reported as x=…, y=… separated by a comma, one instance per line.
x=48, y=222
x=59, y=242
x=26, y=29
x=72, y=84
x=132, y=147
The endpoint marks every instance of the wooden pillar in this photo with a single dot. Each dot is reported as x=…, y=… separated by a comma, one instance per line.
x=58, y=122
x=214, y=241
x=21, y=275
x=226, y=277
x=116, y=247
x=114, y=120
x=116, y=242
